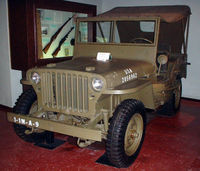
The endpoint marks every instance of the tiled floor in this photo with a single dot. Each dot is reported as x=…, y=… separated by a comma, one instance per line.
x=171, y=144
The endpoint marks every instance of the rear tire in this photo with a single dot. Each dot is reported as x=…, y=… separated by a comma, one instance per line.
x=23, y=106
x=126, y=133
x=173, y=105
x=177, y=97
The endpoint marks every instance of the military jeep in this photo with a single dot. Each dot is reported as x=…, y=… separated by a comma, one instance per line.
x=126, y=60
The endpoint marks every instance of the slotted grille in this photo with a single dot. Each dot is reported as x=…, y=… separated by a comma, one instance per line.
x=65, y=91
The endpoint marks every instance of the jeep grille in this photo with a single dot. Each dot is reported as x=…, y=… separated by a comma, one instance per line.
x=65, y=91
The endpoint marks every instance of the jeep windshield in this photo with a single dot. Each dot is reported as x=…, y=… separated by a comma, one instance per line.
x=119, y=31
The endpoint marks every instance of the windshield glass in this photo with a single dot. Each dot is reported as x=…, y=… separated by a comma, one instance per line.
x=135, y=32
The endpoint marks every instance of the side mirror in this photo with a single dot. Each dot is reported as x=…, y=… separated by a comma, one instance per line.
x=72, y=42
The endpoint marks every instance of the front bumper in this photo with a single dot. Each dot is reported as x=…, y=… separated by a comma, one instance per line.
x=54, y=126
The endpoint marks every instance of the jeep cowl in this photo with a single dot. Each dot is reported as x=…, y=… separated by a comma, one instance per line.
x=126, y=61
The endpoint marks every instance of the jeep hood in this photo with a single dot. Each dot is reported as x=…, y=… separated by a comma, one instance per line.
x=115, y=71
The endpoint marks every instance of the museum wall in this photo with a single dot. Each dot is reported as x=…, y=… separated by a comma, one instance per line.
x=10, y=87
x=191, y=86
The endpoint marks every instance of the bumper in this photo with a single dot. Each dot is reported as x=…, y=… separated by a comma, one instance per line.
x=54, y=126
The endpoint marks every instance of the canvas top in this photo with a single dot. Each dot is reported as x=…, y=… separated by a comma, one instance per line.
x=166, y=13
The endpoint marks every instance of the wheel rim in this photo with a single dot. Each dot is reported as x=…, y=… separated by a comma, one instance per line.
x=133, y=134
x=177, y=95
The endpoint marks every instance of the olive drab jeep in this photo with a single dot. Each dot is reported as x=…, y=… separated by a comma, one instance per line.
x=125, y=61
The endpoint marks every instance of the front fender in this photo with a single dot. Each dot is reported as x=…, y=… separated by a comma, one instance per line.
x=137, y=89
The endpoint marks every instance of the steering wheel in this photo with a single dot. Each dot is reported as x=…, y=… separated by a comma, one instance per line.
x=140, y=40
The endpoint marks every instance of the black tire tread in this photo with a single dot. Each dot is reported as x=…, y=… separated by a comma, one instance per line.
x=22, y=106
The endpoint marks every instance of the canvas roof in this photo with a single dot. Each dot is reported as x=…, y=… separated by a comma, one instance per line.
x=166, y=13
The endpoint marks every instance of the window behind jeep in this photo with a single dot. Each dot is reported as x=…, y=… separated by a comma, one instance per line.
x=137, y=31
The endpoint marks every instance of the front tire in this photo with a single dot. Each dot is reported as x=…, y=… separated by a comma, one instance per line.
x=126, y=133
x=26, y=104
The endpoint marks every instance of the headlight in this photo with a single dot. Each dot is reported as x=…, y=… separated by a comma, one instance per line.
x=97, y=84
x=35, y=77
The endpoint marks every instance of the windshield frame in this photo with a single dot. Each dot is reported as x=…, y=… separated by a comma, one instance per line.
x=114, y=20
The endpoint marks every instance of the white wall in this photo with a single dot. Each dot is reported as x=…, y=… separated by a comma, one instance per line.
x=9, y=79
x=191, y=86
